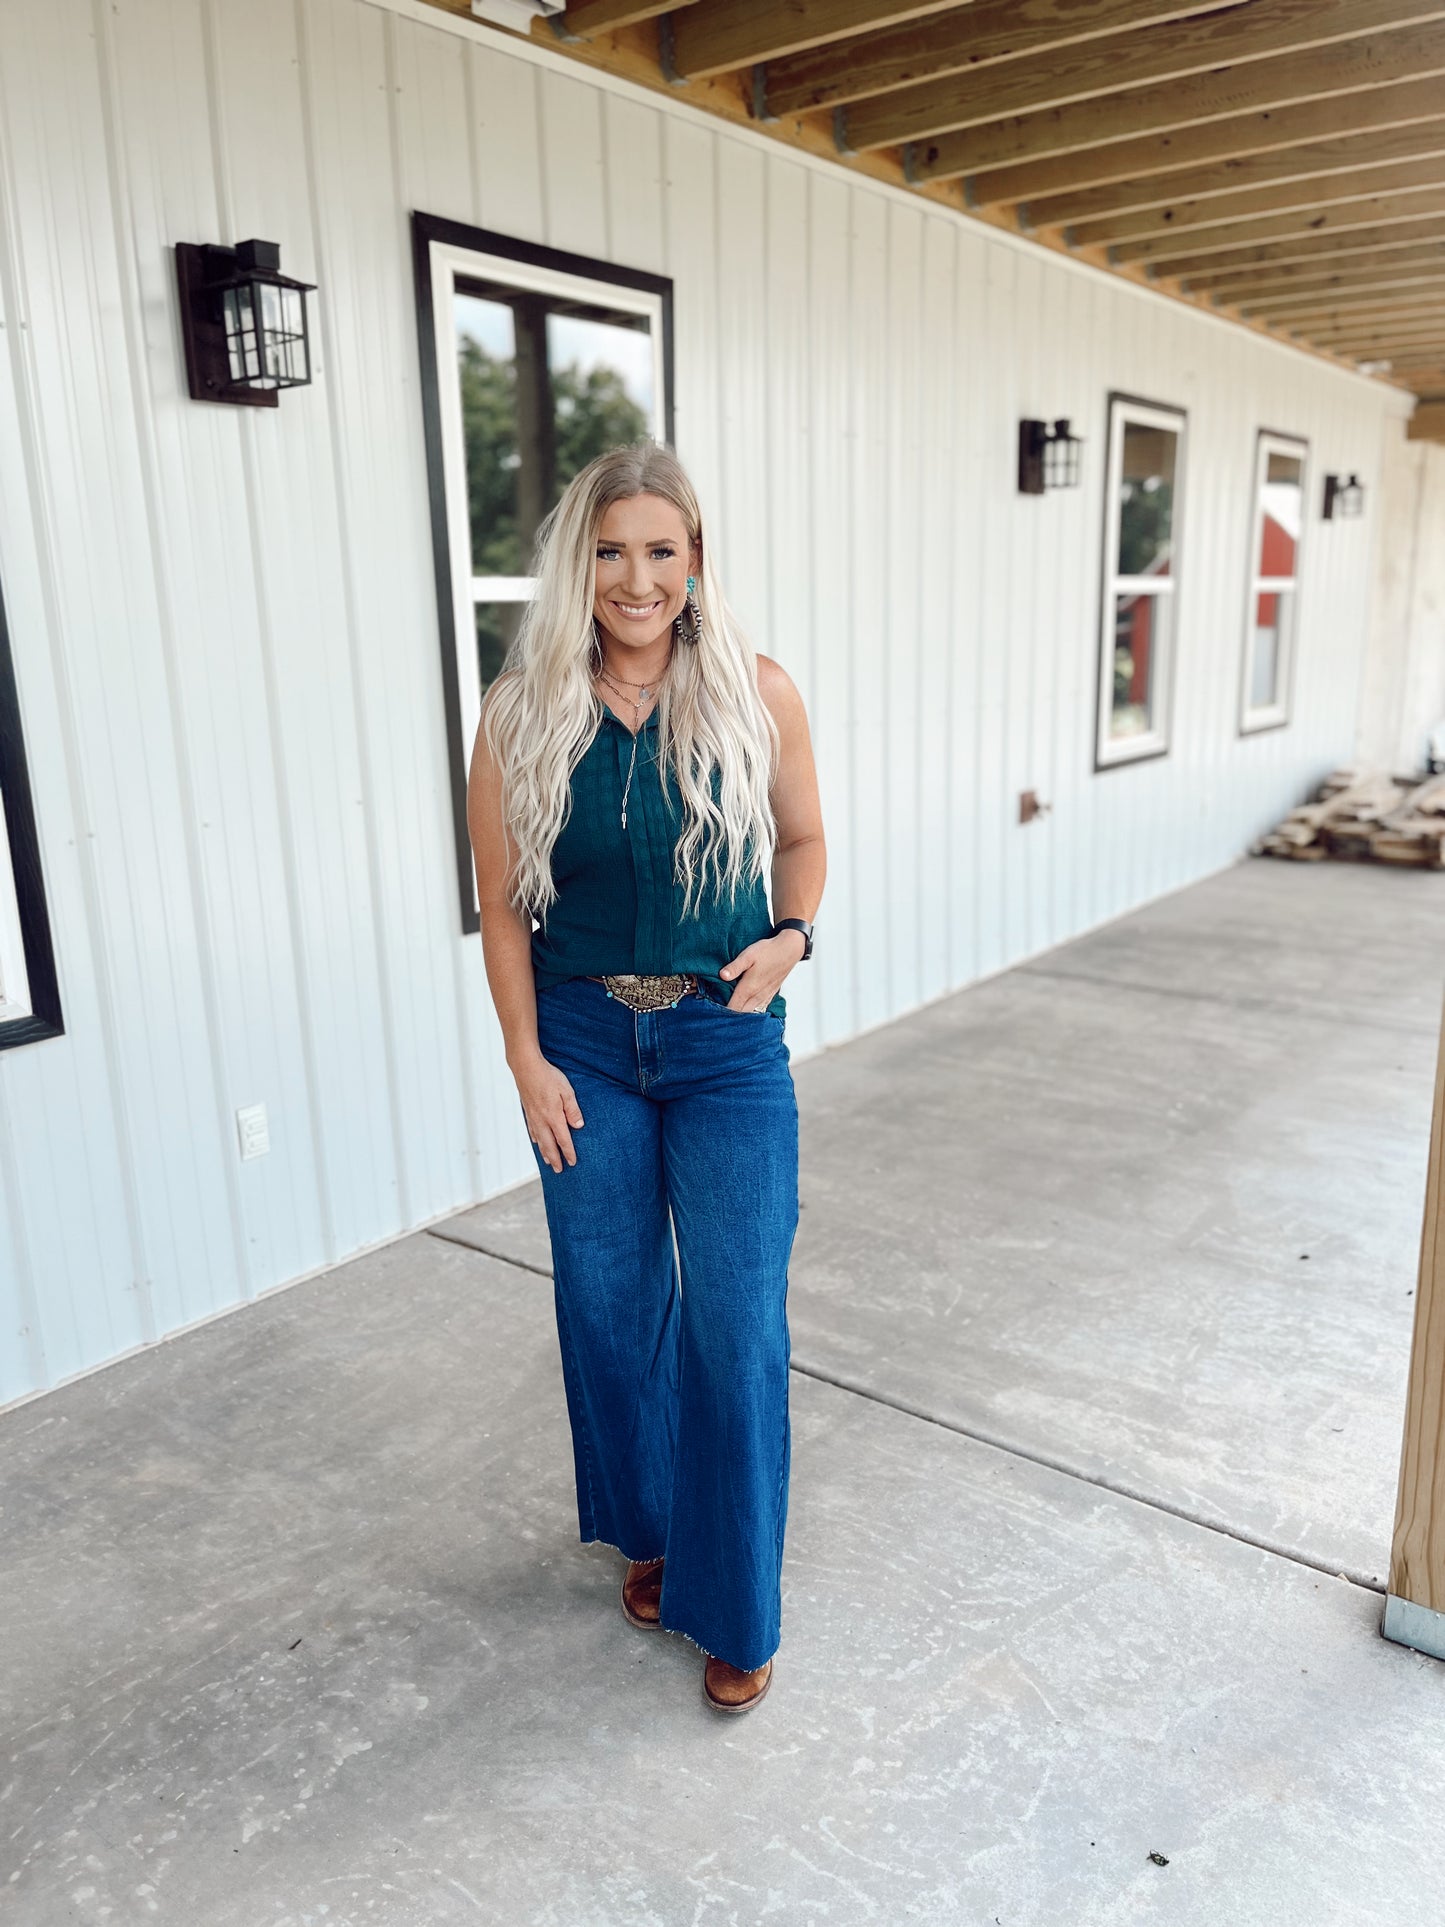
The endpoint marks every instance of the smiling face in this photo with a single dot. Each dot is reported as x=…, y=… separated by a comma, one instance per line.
x=643, y=560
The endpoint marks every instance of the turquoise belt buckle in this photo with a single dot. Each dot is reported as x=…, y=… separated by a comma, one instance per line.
x=644, y=993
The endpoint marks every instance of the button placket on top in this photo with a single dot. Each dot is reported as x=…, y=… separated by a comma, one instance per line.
x=649, y=838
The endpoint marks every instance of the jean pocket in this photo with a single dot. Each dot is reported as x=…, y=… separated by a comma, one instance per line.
x=716, y=1003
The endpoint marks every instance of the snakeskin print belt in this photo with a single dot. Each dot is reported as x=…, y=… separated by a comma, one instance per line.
x=650, y=993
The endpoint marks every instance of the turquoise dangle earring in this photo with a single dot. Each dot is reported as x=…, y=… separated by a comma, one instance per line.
x=692, y=630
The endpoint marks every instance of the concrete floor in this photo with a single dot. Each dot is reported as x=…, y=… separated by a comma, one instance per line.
x=1101, y=1310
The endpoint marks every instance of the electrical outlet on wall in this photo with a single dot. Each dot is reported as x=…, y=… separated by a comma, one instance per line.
x=255, y=1133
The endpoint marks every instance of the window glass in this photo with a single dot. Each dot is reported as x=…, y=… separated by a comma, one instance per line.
x=547, y=382
x=1140, y=626
x=1146, y=499
x=1269, y=606
x=1277, y=507
x=1281, y=501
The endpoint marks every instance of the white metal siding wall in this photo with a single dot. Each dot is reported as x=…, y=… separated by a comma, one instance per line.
x=226, y=638
x=1404, y=687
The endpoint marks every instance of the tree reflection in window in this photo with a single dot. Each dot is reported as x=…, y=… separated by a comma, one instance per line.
x=547, y=383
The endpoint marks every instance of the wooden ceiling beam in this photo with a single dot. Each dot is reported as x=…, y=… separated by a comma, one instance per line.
x=1409, y=310
x=1377, y=332
x=1337, y=117
x=1412, y=377
x=1367, y=297
x=1415, y=363
x=1254, y=310
x=1257, y=298
x=1356, y=355
x=724, y=34
x=1342, y=268
x=1348, y=216
x=1311, y=161
x=959, y=41
x=1376, y=342
x=1258, y=31
x=583, y=19
x=1305, y=198
x=1301, y=249
x=1261, y=87
x=1427, y=424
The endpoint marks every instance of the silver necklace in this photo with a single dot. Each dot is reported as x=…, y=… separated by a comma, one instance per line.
x=604, y=675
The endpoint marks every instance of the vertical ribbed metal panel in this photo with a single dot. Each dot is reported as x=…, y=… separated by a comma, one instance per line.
x=225, y=622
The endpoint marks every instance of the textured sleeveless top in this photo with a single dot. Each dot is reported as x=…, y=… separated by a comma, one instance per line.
x=617, y=908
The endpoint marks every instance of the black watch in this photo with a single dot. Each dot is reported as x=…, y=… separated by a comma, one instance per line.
x=797, y=923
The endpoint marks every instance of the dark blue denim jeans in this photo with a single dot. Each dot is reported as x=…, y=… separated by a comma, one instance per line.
x=677, y=1380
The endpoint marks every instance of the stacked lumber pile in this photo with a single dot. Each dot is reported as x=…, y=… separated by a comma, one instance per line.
x=1368, y=816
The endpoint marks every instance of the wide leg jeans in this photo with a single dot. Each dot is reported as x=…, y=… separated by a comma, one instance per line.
x=676, y=1376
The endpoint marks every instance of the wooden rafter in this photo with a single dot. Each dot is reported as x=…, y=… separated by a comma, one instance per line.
x=1257, y=32
x=1388, y=326
x=1347, y=216
x=1262, y=298
x=724, y=34
x=1426, y=357
x=586, y=18
x=1298, y=249
x=1382, y=293
x=1304, y=201
x=1386, y=338
x=1290, y=166
x=1261, y=87
x=956, y=42
x=1339, y=270
x=1191, y=149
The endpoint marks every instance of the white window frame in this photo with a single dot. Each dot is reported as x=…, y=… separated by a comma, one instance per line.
x=451, y=263
x=1110, y=751
x=1254, y=717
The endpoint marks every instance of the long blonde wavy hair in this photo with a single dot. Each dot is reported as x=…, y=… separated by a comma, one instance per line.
x=541, y=713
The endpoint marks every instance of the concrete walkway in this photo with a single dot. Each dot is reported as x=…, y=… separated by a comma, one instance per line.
x=1101, y=1312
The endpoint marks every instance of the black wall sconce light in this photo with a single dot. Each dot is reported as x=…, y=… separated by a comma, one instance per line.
x=1048, y=456
x=243, y=323
x=1344, y=495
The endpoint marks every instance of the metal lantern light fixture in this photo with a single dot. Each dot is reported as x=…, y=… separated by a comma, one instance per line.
x=1048, y=456
x=243, y=322
x=1344, y=495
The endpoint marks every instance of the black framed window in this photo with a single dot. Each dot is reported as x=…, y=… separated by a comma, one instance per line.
x=29, y=993
x=533, y=361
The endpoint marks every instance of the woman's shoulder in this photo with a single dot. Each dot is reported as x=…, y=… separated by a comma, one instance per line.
x=777, y=689
x=504, y=679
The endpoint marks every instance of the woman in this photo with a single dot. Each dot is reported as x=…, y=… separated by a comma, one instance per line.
x=636, y=772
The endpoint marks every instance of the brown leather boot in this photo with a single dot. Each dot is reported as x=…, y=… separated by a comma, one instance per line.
x=731, y=1690
x=642, y=1592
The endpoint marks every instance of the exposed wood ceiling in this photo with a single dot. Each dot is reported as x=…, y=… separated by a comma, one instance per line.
x=1278, y=161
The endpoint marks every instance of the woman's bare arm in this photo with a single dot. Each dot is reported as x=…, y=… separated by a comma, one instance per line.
x=547, y=1097
x=800, y=860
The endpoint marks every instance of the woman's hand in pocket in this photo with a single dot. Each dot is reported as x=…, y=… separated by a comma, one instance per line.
x=756, y=973
x=551, y=1108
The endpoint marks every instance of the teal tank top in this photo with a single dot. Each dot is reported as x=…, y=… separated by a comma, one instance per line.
x=617, y=909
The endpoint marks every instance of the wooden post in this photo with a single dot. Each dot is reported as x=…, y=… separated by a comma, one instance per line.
x=1415, y=1603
